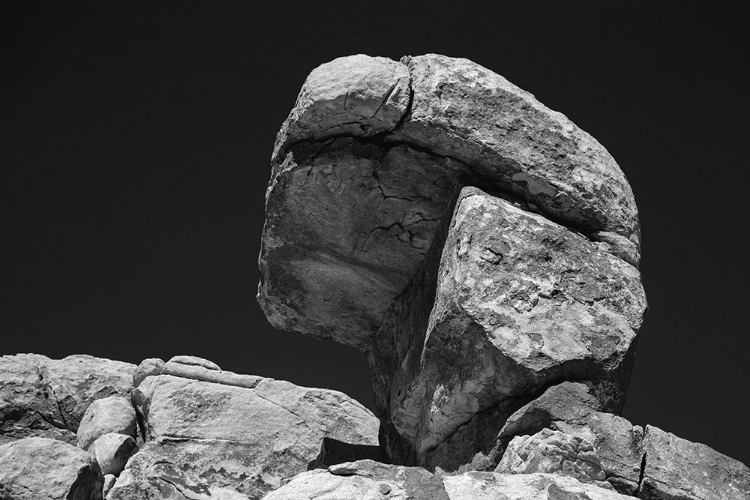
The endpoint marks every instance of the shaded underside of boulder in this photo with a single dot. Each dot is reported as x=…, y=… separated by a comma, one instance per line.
x=48, y=397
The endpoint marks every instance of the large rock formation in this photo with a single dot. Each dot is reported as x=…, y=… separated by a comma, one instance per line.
x=48, y=397
x=467, y=301
x=478, y=247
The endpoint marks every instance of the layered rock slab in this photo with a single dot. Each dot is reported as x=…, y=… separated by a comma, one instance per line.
x=244, y=439
x=514, y=142
x=38, y=468
x=47, y=397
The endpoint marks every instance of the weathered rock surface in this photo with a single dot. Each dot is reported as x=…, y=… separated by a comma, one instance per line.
x=571, y=409
x=48, y=397
x=513, y=141
x=114, y=414
x=520, y=303
x=538, y=280
x=112, y=452
x=38, y=468
x=360, y=180
x=650, y=463
x=355, y=96
x=371, y=480
x=156, y=477
x=248, y=440
x=554, y=452
x=678, y=469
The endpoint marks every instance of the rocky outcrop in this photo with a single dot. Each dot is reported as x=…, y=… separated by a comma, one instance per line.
x=478, y=246
x=648, y=463
x=247, y=439
x=483, y=252
x=48, y=397
x=367, y=479
x=39, y=468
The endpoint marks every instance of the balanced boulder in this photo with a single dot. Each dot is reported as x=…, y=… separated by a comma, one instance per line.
x=477, y=246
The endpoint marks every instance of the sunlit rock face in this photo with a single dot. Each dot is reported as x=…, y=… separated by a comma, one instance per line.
x=520, y=303
x=478, y=246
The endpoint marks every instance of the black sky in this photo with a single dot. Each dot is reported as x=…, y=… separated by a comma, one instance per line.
x=134, y=159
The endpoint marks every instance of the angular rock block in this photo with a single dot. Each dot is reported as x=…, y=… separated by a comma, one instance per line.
x=48, y=397
x=521, y=303
x=38, y=468
x=245, y=439
x=678, y=469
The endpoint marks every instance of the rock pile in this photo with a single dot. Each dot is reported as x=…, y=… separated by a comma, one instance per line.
x=478, y=247
x=483, y=252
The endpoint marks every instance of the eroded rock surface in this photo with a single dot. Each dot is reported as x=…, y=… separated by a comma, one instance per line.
x=554, y=452
x=362, y=245
x=520, y=303
x=354, y=121
x=245, y=439
x=153, y=476
x=38, y=468
x=370, y=480
x=648, y=463
x=48, y=397
x=679, y=469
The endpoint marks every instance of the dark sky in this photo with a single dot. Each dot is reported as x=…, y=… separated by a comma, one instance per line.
x=134, y=159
